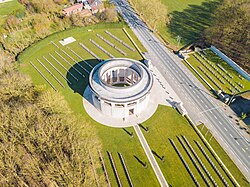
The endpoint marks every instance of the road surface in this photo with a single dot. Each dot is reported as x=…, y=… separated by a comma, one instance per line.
x=198, y=102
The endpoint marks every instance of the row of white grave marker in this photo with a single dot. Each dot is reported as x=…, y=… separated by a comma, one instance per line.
x=45, y=78
x=90, y=52
x=226, y=72
x=101, y=48
x=185, y=163
x=119, y=40
x=221, y=80
x=111, y=44
x=212, y=164
x=194, y=162
x=211, y=71
x=200, y=161
x=211, y=78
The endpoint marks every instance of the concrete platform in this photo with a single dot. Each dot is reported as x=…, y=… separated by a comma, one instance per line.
x=161, y=93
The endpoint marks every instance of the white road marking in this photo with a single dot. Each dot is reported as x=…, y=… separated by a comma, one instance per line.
x=231, y=135
x=215, y=117
x=171, y=65
x=225, y=129
x=220, y=123
x=243, y=149
x=238, y=143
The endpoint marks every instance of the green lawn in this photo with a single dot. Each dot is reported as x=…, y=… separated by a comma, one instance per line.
x=166, y=122
x=180, y=5
x=113, y=140
x=188, y=19
x=8, y=8
x=195, y=59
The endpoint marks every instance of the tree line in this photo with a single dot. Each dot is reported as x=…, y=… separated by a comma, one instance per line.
x=42, y=143
x=231, y=31
x=154, y=13
x=40, y=19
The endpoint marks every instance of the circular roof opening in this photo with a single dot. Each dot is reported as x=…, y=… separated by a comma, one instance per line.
x=120, y=80
x=120, y=76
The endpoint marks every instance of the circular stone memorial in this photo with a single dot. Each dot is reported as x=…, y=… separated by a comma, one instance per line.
x=120, y=87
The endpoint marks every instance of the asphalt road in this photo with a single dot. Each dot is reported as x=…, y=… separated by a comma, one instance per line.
x=199, y=104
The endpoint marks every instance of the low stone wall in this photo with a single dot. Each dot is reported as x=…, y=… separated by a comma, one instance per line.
x=230, y=62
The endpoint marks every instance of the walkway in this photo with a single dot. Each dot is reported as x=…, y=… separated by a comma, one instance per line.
x=151, y=157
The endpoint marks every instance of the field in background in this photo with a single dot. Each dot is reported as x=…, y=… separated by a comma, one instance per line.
x=180, y=5
x=166, y=122
x=188, y=19
x=8, y=8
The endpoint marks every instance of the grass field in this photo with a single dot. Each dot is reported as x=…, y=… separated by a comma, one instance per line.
x=180, y=5
x=113, y=140
x=227, y=83
x=171, y=126
x=9, y=7
x=188, y=19
x=166, y=122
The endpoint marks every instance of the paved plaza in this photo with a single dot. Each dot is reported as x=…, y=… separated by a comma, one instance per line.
x=161, y=94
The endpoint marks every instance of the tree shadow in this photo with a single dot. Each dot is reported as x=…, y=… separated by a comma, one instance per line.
x=192, y=21
x=78, y=75
x=200, y=89
x=241, y=105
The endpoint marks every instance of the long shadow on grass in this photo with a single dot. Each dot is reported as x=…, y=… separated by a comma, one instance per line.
x=192, y=21
x=144, y=164
x=78, y=75
x=241, y=105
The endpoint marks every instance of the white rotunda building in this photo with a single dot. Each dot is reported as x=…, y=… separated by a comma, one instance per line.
x=120, y=87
